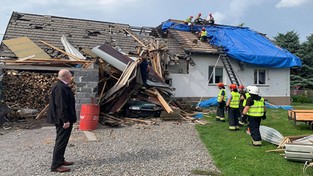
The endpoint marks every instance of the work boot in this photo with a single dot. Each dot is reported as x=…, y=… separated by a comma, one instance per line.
x=222, y=119
x=232, y=128
x=257, y=143
x=241, y=123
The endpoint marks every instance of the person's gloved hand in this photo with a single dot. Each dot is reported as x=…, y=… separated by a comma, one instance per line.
x=226, y=108
x=264, y=116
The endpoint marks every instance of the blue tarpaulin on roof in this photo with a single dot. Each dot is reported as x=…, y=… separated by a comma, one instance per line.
x=244, y=45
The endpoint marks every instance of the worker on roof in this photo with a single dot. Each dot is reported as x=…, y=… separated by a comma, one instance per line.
x=221, y=100
x=244, y=94
x=198, y=19
x=232, y=106
x=255, y=111
x=210, y=19
x=203, y=34
x=188, y=21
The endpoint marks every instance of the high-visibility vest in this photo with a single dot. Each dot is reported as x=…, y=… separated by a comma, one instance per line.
x=235, y=99
x=219, y=97
x=188, y=20
x=257, y=109
x=204, y=33
x=245, y=100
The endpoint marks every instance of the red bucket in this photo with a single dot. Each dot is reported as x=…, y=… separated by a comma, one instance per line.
x=89, y=116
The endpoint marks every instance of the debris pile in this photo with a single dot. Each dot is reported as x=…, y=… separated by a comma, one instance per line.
x=121, y=94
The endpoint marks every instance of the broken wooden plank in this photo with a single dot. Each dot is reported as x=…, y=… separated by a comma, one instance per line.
x=141, y=43
x=161, y=99
x=58, y=49
x=42, y=112
x=23, y=47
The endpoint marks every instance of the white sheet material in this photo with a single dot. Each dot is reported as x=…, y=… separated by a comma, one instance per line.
x=271, y=135
x=71, y=49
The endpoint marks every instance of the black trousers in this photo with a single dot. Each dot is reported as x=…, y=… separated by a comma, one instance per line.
x=254, y=125
x=220, y=109
x=61, y=141
x=233, y=115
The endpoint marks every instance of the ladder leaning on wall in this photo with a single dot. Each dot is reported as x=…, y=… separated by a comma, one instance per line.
x=228, y=67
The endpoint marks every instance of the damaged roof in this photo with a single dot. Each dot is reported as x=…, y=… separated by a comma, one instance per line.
x=79, y=32
x=190, y=43
x=82, y=34
x=242, y=44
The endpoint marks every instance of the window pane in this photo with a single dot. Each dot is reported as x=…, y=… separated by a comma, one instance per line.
x=218, y=75
x=255, y=76
x=262, y=77
x=212, y=76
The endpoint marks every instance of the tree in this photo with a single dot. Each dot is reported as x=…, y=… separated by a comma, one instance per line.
x=290, y=41
x=299, y=77
x=306, y=55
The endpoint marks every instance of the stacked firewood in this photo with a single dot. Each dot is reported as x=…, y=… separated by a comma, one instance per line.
x=23, y=89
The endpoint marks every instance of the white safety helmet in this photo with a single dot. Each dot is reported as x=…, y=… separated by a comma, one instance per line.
x=248, y=88
x=253, y=90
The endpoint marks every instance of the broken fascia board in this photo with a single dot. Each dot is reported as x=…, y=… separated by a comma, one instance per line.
x=112, y=56
x=71, y=49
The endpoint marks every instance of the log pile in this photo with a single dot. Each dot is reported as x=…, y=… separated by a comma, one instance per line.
x=26, y=89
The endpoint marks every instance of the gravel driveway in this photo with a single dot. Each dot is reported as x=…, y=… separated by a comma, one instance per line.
x=168, y=148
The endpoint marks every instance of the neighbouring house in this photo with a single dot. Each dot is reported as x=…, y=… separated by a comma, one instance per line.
x=193, y=67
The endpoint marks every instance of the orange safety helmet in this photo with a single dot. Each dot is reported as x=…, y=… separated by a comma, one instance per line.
x=203, y=28
x=220, y=84
x=241, y=87
x=233, y=86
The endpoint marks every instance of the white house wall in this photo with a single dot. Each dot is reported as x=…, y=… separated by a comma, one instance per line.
x=278, y=81
x=195, y=84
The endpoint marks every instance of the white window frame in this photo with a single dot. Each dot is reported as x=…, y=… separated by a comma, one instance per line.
x=214, y=76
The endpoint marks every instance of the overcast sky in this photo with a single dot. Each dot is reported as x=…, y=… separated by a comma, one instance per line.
x=266, y=16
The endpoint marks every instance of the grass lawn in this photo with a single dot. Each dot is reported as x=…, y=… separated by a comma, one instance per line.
x=234, y=154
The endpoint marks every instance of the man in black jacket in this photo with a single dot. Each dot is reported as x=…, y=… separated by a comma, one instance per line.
x=62, y=113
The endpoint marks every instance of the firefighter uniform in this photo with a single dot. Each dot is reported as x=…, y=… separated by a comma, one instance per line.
x=221, y=99
x=255, y=113
x=233, y=111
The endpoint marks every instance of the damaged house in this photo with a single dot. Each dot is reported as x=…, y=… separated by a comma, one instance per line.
x=235, y=55
x=180, y=61
x=42, y=44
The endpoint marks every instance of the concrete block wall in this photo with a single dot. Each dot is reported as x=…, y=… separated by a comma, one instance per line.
x=87, y=87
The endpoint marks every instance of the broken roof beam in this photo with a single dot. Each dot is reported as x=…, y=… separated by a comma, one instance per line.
x=141, y=43
x=164, y=104
x=68, y=54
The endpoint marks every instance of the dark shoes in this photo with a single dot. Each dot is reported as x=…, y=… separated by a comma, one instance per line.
x=67, y=163
x=61, y=169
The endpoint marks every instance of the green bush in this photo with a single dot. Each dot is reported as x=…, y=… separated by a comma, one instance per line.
x=301, y=99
